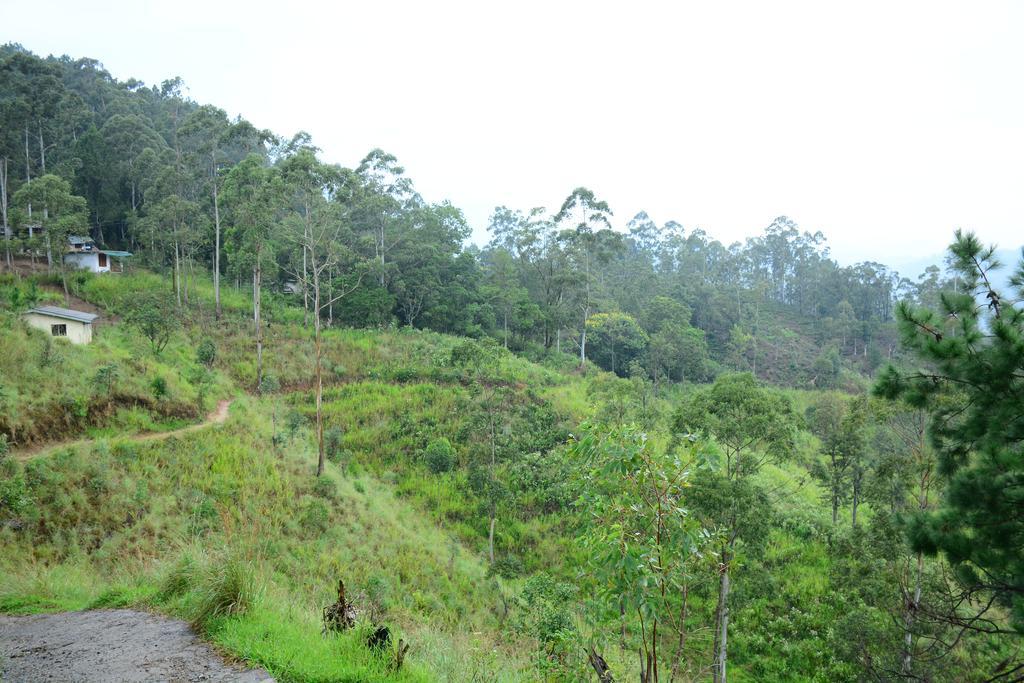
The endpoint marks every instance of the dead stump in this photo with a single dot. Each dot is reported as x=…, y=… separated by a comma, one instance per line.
x=340, y=616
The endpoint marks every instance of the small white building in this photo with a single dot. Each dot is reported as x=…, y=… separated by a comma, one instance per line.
x=62, y=322
x=82, y=253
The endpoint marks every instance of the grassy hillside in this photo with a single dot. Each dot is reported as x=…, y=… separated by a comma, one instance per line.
x=228, y=527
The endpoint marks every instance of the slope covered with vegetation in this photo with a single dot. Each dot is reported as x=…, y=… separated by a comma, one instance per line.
x=572, y=451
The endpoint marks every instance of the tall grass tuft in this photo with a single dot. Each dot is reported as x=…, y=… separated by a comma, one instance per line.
x=224, y=589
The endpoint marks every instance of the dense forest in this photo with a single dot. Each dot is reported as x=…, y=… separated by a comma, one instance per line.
x=590, y=449
x=186, y=186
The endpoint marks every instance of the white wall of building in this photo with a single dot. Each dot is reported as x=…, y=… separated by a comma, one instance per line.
x=88, y=260
x=75, y=331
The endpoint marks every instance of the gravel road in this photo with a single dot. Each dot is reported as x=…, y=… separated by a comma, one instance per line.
x=110, y=645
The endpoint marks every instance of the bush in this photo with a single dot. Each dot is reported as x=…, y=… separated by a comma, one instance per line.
x=324, y=488
x=179, y=579
x=508, y=567
x=269, y=384
x=155, y=317
x=159, y=386
x=332, y=443
x=439, y=456
x=206, y=352
x=106, y=376
x=315, y=516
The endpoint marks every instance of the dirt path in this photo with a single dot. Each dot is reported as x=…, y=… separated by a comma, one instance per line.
x=219, y=415
x=110, y=645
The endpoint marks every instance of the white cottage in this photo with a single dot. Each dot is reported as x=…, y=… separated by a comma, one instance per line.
x=62, y=322
x=82, y=253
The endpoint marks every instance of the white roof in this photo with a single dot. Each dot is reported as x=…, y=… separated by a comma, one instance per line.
x=65, y=313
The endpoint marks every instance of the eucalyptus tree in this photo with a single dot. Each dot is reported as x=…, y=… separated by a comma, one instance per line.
x=253, y=196
x=586, y=228
x=127, y=136
x=170, y=224
x=387, y=194
x=319, y=225
x=543, y=263
x=211, y=142
x=4, y=217
x=641, y=542
x=753, y=426
x=65, y=213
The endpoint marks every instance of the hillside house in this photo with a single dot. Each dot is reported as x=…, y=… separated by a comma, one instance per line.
x=82, y=253
x=76, y=326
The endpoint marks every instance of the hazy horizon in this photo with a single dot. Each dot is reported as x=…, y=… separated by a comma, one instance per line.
x=886, y=128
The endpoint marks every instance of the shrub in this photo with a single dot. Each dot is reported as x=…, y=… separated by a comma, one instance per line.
x=159, y=386
x=154, y=316
x=269, y=384
x=206, y=352
x=508, y=567
x=324, y=488
x=106, y=376
x=179, y=579
x=332, y=443
x=315, y=516
x=14, y=497
x=292, y=421
x=439, y=455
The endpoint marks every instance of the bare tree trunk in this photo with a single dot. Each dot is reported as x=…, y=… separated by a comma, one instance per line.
x=856, y=499
x=216, y=247
x=330, y=304
x=319, y=373
x=177, y=273
x=910, y=611
x=604, y=674
x=305, y=277
x=28, y=179
x=3, y=213
x=722, y=622
x=494, y=452
x=678, y=658
x=490, y=537
x=583, y=341
x=42, y=151
x=256, y=276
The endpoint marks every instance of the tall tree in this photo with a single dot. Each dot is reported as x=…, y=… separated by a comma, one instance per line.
x=753, y=426
x=212, y=142
x=584, y=217
x=972, y=349
x=252, y=192
x=64, y=214
x=321, y=230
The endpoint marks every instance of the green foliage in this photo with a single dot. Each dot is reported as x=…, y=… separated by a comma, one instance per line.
x=439, y=455
x=155, y=317
x=206, y=352
x=616, y=339
x=741, y=415
x=641, y=543
x=159, y=386
x=973, y=349
x=225, y=588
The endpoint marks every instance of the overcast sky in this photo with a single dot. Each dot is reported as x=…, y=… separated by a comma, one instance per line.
x=885, y=125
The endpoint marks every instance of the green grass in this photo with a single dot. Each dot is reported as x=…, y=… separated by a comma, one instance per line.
x=144, y=523
x=227, y=528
